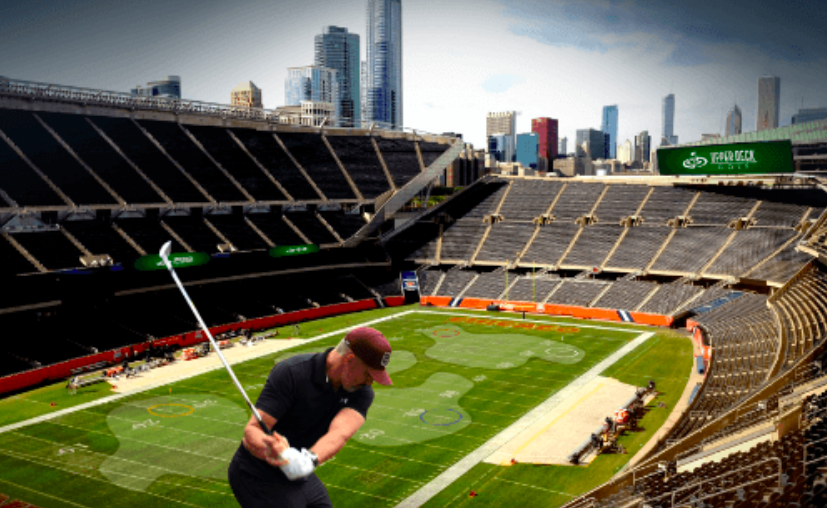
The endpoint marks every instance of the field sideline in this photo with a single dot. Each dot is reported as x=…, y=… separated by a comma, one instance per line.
x=458, y=383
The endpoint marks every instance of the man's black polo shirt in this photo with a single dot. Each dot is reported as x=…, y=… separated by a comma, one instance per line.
x=302, y=400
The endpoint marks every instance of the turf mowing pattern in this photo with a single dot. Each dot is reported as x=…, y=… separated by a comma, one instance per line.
x=456, y=385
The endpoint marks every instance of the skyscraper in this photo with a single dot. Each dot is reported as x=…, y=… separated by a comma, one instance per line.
x=596, y=141
x=339, y=50
x=502, y=147
x=505, y=123
x=564, y=145
x=527, y=148
x=609, y=126
x=384, y=86
x=668, y=116
x=546, y=129
x=733, y=121
x=769, y=96
x=311, y=83
x=247, y=95
x=643, y=143
x=625, y=152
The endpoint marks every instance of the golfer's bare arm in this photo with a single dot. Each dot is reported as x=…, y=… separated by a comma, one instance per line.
x=262, y=446
x=343, y=426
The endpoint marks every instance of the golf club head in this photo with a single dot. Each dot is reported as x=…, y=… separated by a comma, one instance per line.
x=165, y=249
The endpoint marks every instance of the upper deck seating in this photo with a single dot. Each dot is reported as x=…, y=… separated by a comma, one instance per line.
x=308, y=224
x=312, y=154
x=47, y=154
x=189, y=156
x=400, y=158
x=99, y=155
x=226, y=152
x=781, y=267
x=691, y=248
x=358, y=156
x=638, y=247
x=461, y=238
x=151, y=161
x=666, y=203
x=269, y=153
x=528, y=199
x=504, y=241
x=576, y=200
x=22, y=184
x=714, y=208
x=748, y=248
x=620, y=201
x=593, y=245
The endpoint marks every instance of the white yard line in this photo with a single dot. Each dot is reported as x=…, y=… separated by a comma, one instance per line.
x=456, y=471
x=217, y=366
x=544, y=322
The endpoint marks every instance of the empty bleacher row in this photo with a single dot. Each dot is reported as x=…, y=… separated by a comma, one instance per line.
x=63, y=159
x=773, y=474
x=128, y=319
x=670, y=297
x=708, y=244
x=126, y=239
x=802, y=311
x=631, y=295
x=626, y=295
x=745, y=344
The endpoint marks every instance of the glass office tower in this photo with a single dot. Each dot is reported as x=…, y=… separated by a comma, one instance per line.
x=339, y=50
x=384, y=49
x=609, y=126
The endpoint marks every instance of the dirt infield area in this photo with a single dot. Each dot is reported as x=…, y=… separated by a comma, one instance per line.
x=183, y=369
x=554, y=437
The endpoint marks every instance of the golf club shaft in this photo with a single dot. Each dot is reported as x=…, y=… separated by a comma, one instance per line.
x=215, y=345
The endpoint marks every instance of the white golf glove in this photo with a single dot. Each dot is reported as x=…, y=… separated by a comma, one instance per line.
x=299, y=463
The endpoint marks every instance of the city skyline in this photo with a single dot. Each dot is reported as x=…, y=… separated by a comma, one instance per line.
x=636, y=54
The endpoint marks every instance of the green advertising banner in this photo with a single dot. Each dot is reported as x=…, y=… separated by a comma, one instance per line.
x=177, y=259
x=293, y=250
x=732, y=159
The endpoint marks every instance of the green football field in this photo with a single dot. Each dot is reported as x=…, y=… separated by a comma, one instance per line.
x=460, y=378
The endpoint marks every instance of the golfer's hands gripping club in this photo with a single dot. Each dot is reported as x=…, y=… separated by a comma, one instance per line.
x=274, y=447
x=299, y=463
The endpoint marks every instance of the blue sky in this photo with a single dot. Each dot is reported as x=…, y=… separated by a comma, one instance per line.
x=562, y=59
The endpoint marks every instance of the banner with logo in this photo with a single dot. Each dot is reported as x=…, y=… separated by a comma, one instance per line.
x=765, y=157
x=409, y=281
x=293, y=250
x=177, y=260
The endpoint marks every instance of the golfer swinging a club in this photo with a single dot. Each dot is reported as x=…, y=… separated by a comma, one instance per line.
x=313, y=403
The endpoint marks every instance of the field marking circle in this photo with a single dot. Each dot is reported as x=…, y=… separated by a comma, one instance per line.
x=453, y=333
x=422, y=418
x=556, y=355
x=150, y=409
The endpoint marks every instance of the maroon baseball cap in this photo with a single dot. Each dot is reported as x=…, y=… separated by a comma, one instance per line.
x=370, y=346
